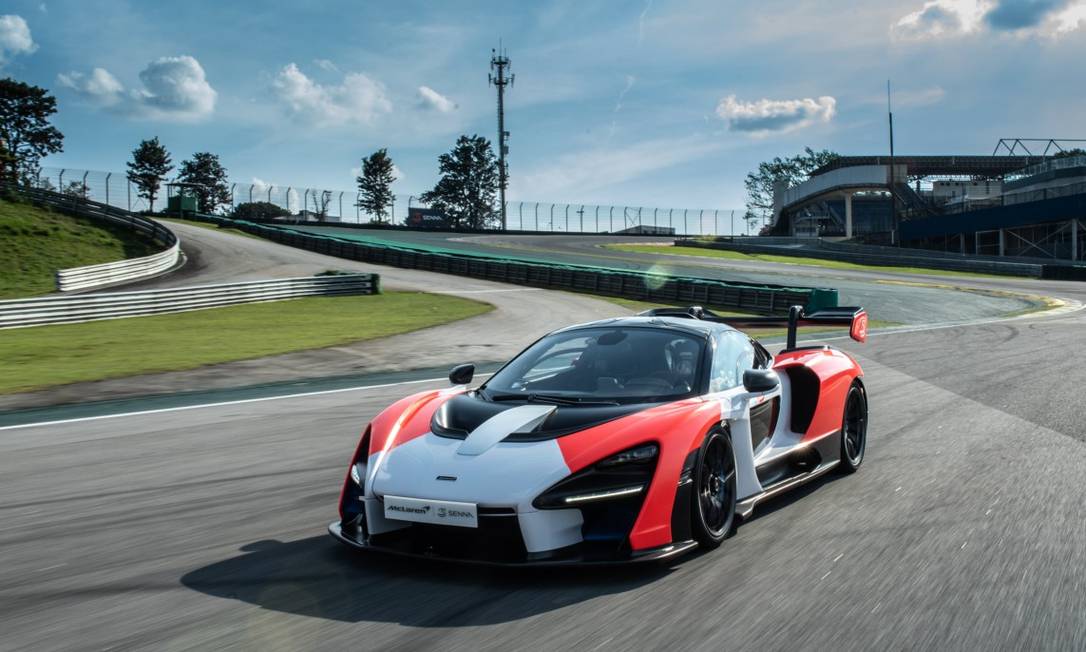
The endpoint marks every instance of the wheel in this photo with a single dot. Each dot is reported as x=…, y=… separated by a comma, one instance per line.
x=854, y=429
x=713, y=511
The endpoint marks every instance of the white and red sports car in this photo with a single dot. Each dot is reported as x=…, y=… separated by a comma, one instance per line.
x=627, y=439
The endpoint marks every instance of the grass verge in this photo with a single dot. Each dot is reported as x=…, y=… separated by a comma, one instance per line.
x=43, y=356
x=35, y=243
x=672, y=250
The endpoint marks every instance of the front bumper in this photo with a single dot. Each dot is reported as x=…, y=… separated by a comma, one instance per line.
x=575, y=556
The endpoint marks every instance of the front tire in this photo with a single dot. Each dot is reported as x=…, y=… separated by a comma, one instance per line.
x=854, y=428
x=713, y=510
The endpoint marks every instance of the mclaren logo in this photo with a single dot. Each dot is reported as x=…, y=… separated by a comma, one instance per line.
x=411, y=510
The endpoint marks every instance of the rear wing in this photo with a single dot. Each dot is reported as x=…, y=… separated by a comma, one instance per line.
x=853, y=317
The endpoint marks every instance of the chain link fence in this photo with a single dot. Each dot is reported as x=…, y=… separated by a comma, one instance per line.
x=322, y=205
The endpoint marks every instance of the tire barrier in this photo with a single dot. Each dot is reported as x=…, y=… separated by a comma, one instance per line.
x=67, y=309
x=628, y=284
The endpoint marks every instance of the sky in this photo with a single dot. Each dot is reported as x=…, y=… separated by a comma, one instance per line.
x=664, y=103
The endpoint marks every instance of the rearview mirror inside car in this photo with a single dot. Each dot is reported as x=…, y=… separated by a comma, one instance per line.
x=462, y=374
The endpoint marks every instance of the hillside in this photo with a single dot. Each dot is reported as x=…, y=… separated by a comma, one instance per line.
x=35, y=242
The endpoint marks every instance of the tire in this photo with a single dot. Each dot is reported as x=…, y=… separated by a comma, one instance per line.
x=712, y=517
x=854, y=429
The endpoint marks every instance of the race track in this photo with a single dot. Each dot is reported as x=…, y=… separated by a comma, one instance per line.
x=204, y=528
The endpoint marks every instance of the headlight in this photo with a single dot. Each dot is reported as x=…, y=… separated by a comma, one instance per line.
x=624, y=475
x=603, y=495
x=358, y=473
x=632, y=456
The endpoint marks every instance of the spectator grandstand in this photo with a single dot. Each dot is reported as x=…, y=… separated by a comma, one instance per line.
x=1008, y=205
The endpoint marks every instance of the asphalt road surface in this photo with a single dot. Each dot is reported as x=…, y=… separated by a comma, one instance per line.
x=204, y=528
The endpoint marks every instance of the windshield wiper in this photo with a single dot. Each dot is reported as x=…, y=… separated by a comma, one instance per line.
x=549, y=398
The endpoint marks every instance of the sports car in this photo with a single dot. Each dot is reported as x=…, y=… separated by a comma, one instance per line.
x=628, y=439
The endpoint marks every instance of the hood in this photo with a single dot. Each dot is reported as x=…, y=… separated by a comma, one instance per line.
x=463, y=414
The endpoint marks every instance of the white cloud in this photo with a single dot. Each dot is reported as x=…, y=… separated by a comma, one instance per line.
x=260, y=189
x=1069, y=19
x=357, y=99
x=765, y=116
x=99, y=87
x=15, y=38
x=431, y=99
x=949, y=18
x=173, y=89
x=940, y=18
x=176, y=88
x=641, y=22
x=326, y=64
x=630, y=81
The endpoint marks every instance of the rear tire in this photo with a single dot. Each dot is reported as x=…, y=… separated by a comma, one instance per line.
x=854, y=429
x=712, y=517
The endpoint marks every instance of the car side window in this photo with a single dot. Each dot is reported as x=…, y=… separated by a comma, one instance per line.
x=734, y=354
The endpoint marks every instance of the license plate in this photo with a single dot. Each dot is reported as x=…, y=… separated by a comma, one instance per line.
x=438, y=512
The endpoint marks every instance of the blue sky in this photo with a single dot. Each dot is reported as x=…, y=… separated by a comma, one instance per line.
x=646, y=102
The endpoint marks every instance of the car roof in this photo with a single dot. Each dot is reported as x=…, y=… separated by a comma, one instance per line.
x=684, y=324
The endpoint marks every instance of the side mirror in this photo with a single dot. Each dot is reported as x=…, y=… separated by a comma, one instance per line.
x=760, y=380
x=462, y=374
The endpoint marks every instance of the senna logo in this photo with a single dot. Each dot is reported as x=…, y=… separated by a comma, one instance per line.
x=453, y=513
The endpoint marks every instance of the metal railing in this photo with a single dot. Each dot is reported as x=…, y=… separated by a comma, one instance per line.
x=112, y=273
x=318, y=204
x=113, y=305
x=124, y=271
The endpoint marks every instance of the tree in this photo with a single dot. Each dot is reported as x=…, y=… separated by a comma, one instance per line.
x=25, y=133
x=321, y=200
x=258, y=210
x=149, y=165
x=76, y=189
x=375, y=184
x=1067, y=153
x=760, y=184
x=469, y=181
x=208, y=176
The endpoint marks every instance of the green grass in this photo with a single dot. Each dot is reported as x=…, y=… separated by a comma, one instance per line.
x=671, y=250
x=42, y=356
x=208, y=225
x=35, y=243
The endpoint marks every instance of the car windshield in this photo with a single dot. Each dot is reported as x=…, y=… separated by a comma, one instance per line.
x=593, y=365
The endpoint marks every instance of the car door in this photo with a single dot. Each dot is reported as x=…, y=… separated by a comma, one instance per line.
x=733, y=354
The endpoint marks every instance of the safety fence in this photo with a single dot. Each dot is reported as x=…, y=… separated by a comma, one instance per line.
x=68, y=309
x=629, y=284
x=317, y=204
x=105, y=274
x=873, y=255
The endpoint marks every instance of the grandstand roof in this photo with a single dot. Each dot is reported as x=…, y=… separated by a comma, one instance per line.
x=942, y=165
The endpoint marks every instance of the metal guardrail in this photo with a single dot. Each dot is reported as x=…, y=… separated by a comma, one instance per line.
x=111, y=305
x=629, y=284
x=106, y=274
x=124, y=271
